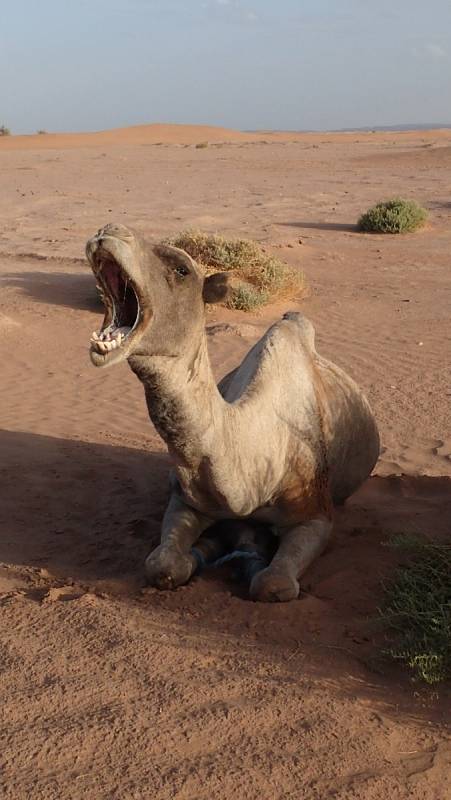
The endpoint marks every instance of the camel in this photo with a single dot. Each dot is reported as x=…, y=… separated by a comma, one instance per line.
x=277, y=443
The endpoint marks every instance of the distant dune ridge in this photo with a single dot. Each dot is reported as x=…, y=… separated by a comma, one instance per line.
x=161, y=133
x=136, y=134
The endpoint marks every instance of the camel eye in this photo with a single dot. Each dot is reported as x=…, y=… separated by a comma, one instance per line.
x=182, y=270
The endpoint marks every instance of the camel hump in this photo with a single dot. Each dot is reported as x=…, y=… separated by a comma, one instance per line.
x=304, y=326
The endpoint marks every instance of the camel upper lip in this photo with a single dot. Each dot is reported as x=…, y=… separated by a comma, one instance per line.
x=122, y=304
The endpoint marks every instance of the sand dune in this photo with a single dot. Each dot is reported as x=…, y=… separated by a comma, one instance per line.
x=194, y=134
x=138, y=134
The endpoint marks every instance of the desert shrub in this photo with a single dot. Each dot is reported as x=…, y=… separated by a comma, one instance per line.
x=247, y=298
x=273, y=274
x=202, y=145
x=4, y=131
x=41, y=132
x=418, y=609
x=260, y=277
x=393, y=216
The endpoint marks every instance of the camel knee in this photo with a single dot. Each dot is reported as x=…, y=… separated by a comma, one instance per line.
x=165, y=568
x=269, y=586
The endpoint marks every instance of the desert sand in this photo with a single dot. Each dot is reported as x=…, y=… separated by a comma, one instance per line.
x=111, y=690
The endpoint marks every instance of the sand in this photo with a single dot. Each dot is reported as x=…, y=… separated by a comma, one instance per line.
x=114, y=690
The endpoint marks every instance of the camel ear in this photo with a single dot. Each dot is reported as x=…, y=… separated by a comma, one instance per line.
x=216, y=287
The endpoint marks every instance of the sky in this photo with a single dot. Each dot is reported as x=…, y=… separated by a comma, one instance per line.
x=74, y=65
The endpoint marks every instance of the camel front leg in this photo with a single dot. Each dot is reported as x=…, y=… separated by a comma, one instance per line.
x=171, y=563
x=298, y=548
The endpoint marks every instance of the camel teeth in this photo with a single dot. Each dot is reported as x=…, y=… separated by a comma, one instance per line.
x=110, y=344
x=108, y=339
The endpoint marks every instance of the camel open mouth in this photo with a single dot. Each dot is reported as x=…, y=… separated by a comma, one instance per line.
x=121, y=300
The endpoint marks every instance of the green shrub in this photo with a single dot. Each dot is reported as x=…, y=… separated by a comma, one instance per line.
x=247, y=298
x=4, y=131
x=263, y=277
x=393, y=216
x=418, y=608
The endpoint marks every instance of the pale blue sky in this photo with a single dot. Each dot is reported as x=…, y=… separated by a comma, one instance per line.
x=291, y=64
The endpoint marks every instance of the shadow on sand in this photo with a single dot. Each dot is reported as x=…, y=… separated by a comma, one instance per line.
x=320, y=226
x=88, y=514
x=437, y=205
x=88, y=511
x=92, y=510
x=67, y=289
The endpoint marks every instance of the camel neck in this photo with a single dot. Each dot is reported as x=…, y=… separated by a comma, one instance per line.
x=183, y=401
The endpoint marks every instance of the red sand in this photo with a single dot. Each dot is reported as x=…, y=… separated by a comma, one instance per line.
x=109, y=689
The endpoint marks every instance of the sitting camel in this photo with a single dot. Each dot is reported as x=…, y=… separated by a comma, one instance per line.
x=277, y=443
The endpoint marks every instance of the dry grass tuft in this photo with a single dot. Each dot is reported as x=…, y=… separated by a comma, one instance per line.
x=260, y=278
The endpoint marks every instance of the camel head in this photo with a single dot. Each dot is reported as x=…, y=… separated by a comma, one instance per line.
x=154, y=296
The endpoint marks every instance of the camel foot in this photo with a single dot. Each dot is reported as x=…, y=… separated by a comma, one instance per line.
x=166, y=569
x=269, y=587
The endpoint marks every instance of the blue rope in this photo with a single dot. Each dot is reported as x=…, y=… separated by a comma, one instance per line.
x=232, y=556
x=252, y=562
x=200, y=559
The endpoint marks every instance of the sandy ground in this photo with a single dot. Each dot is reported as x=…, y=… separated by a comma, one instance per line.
x=111, y=690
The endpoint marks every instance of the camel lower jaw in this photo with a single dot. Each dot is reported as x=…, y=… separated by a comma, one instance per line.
x=124, y=317
x=112, y=340
x=115, y=343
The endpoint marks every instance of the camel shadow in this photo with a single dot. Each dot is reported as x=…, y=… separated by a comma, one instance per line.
x=320, y=226
x=91, y=511
x=68, y=289
x=82, y=511
x=86, y=515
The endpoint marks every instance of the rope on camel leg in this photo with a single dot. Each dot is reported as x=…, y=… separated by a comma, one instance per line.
x=251, y=562
x=200, y=559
